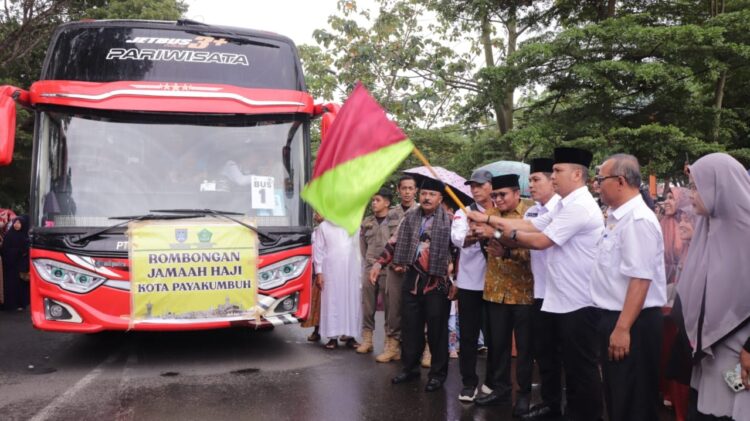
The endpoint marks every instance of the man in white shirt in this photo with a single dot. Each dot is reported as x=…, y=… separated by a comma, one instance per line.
x=570, y=233
x=546, y=351
x=472, y=264
x=630, y=288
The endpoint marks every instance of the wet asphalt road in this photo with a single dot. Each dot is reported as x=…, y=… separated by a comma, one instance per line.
x=210, y=375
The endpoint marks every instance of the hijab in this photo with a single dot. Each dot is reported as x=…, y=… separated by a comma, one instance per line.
x=671, y=233
x=715, y=279
x=17, y=239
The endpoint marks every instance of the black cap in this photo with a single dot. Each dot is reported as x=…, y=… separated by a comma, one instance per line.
x=541, y=165
x=507, y=180
x=573, y=156
x=480, y=176
x=385, y=193
x=432, y=184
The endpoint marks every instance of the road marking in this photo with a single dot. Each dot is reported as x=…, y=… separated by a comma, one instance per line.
x=56, y=404
x=126, y=412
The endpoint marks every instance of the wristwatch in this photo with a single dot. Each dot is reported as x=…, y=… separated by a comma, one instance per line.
x=497, y=234
x=513, y=235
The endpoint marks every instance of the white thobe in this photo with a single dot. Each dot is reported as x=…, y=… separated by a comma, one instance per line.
x=337, y=257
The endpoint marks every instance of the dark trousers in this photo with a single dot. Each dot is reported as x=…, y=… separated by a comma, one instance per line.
x=417, y=310
x=631, y=386
x=577, y=333
x=504, y=320
x=547, y=353
x=470, y=318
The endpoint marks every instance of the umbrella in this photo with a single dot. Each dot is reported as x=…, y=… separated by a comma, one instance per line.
x=511, y=167
x=455, y=181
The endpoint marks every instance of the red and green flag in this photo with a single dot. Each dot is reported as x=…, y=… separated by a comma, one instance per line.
x=360, y=150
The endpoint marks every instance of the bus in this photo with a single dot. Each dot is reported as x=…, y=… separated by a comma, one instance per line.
x=138, y=120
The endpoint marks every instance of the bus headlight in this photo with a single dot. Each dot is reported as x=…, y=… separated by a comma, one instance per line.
x=280, y=272
x=68, y=277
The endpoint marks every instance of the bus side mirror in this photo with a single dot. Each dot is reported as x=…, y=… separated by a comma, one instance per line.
x=7, y=123
x=330, y=111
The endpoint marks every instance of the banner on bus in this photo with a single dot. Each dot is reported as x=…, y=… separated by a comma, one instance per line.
x=192, y=271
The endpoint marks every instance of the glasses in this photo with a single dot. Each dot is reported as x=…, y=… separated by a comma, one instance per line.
x=600, y=178
x=502, y=194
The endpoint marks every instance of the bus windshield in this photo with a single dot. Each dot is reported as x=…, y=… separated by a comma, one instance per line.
x=91, y=167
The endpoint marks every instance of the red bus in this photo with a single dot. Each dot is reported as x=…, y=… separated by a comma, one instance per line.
x=154, y=120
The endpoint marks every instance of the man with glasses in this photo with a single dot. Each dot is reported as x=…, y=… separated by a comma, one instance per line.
x=509, y=296
x=571, y=233
x=630, y=288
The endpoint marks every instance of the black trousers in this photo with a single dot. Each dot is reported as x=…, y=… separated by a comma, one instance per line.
x=432, y=309
x=547, y=353
x=576, y=331
x=631, y=386
x=470, y=319
x=504, y=320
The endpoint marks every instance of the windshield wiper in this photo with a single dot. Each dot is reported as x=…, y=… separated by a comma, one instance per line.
x=217, y=213
x=129, y=219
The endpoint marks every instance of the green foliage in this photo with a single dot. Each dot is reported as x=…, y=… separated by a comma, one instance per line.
x=660, y=80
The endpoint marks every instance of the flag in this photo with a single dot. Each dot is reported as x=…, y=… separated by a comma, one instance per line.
x=361, y=149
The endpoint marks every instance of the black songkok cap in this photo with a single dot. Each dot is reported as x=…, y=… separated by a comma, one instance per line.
x=431, y=184
x=541, y=165
x=385, y=193
x=573, y=156
x=507, y=180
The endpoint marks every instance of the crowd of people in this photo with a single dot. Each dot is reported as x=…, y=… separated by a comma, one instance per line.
x=627, y=308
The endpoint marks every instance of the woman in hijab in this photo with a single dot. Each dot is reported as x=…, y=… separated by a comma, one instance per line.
x=15, y=255
x=677, y=200
x=714, y=287
x=675, y=357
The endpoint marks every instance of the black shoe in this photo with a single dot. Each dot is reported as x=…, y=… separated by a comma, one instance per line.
x=493, y=398
x=542, y=411
x=405, y=377
x=468, y=394
x=521, y=407
x=433, y=385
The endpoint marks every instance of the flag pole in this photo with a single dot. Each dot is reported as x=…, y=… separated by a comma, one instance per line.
x=448, y=190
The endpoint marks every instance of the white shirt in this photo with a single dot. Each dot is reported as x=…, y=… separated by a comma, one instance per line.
x=631, y=246
x=575, y=227
x=472, y=264
x=539, y=257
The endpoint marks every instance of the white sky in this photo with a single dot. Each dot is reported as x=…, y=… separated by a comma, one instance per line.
x=296, y=19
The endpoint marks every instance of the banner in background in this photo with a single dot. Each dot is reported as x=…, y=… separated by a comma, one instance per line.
x=192, y=271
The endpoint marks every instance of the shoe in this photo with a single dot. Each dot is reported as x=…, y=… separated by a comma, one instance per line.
x=542, y=411
x=426, y=361
x=492, y=399
x=482, y=349
x=366, y=345
x=468, y=394
x=486, y=389
x=405, y=377
x=352, y=343
x=453, y=354
x=391, y=351
x=433, y=385
x=314, y=337
x=332, y=344
x=521, y=407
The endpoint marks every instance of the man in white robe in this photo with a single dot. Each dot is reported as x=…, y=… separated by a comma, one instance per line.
x=338, y=269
